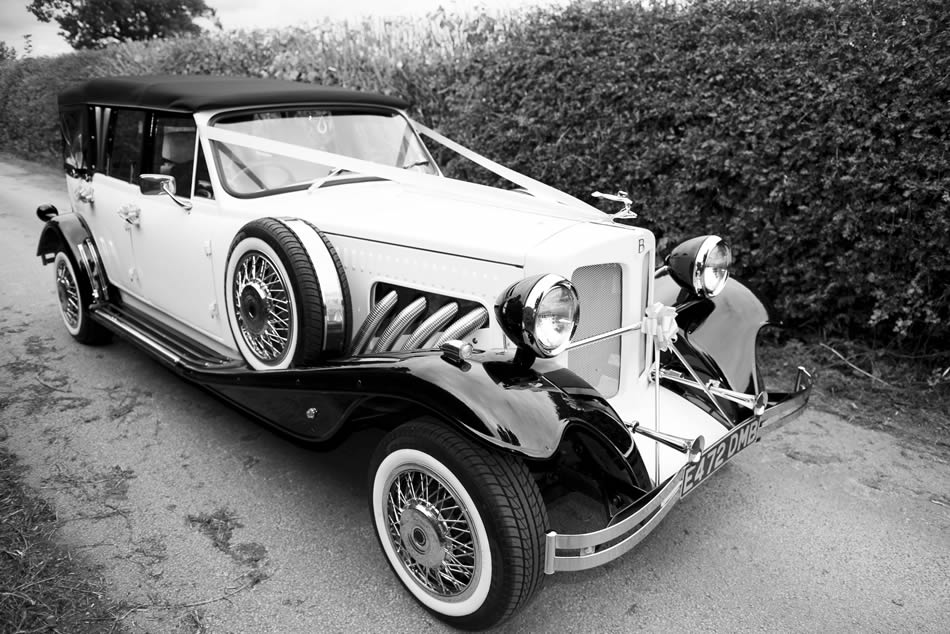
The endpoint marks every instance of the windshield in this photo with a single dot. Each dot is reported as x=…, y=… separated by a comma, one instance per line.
x=377, y=136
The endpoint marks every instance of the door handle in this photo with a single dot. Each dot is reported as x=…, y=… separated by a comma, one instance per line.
x=130, y=213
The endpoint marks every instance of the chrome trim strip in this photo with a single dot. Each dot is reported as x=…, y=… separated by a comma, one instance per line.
x=151, y=344
x=400, y=323
x=465, y=326
x=604, y=335
x=373, y=320
x=649, y=516
x=435, y=322
x=90, y=261
x=331, y=287
x=788, y=406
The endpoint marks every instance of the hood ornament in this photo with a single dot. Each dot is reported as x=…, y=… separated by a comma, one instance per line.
x=619, y=197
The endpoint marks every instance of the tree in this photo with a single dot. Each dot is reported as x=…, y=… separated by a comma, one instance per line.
x=7, y=53
x=98, y=23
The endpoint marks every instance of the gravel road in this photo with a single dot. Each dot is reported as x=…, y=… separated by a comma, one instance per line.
x=198, y=517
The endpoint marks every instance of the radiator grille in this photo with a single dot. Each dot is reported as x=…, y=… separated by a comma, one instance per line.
x=600, y=290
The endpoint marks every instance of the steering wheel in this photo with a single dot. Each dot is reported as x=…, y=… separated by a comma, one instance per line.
x=268, y=175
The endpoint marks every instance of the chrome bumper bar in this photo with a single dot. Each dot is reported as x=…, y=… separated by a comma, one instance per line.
x=589, y=550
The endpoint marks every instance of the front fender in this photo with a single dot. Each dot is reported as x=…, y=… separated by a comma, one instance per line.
x=524, y=410
x=718, y=335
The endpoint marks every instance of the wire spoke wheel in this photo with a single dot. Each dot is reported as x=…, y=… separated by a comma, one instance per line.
x=431, y=532
x=75, y=298
x=261, y=295
x=68, y=291
x=461, y=525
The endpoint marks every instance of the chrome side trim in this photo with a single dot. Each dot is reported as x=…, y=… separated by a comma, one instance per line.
x=462, y=328
x=331, y=287
x=89, y=260
x=431, y=325
x=148, y=342
x=373, y=320
x=400, y=323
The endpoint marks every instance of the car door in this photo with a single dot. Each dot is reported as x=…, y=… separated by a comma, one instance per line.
x=173, y=238
x=108, y=201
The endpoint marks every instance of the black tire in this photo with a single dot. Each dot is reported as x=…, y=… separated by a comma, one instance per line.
x=276, y=316
x=498, y=565
x=75, y=296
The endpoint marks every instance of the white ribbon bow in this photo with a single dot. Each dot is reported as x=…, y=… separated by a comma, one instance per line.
x=659, y=321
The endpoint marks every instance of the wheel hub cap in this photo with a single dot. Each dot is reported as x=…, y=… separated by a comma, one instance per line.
x=262, y=307
x=431, y=532
x=255, y=306
x=422, y=533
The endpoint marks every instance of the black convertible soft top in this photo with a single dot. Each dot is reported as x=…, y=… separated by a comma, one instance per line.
x=191, y=93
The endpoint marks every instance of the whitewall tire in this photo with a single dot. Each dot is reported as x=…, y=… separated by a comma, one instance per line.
x=75, y=295
x=461, y=525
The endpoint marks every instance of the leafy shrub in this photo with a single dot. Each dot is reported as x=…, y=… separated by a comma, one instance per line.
x=810, y=133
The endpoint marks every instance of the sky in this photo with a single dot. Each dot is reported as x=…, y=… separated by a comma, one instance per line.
x=16, y=21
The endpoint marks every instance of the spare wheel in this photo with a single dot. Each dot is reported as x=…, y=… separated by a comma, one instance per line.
x=287, y=299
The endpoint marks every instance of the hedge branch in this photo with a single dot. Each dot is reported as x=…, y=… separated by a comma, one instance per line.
x=854, y=367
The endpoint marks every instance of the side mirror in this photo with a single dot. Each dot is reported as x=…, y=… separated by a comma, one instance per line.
x=156, y=184
x=46, y=212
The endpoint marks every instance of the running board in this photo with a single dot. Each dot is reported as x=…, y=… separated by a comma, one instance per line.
x=161, y=341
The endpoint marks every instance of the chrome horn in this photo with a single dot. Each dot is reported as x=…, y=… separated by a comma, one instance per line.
x=692, y=448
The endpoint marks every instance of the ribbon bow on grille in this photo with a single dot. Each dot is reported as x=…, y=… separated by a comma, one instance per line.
x=659, y=321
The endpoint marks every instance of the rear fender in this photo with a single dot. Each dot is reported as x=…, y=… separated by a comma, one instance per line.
x=69, y=233
x=61, y=233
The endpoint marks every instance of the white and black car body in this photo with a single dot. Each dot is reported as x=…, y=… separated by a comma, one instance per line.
x=320, y=287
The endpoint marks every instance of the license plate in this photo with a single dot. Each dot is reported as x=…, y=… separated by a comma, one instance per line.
x=720, y=453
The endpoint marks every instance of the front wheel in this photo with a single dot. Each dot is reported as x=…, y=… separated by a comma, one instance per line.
x=461, y=525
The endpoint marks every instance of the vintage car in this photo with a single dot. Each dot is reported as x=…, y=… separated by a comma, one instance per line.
x=549, y=393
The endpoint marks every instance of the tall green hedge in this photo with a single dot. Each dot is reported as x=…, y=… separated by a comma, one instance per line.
x=813, y=135
x=810, y=133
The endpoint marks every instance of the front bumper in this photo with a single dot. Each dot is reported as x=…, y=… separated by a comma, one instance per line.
x=629, y=528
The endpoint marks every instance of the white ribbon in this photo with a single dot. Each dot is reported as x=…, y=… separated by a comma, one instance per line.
x=659, y=321
x=396, y=174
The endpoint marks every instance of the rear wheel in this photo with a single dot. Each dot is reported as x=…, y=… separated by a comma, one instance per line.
x=75, y=295
x=461, y=525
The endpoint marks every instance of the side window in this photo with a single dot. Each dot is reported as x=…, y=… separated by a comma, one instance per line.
x=203, y=187
x=124, y=145
x=77, y=142
x=173, y=151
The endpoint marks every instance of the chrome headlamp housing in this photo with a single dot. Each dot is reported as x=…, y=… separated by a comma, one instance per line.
x=539, y=314
x=701, y=265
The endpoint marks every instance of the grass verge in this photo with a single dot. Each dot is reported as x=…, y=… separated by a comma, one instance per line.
x=907, y=396
x=42, y=588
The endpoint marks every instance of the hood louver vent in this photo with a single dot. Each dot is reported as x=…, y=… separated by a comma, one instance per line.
x=403, y=332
